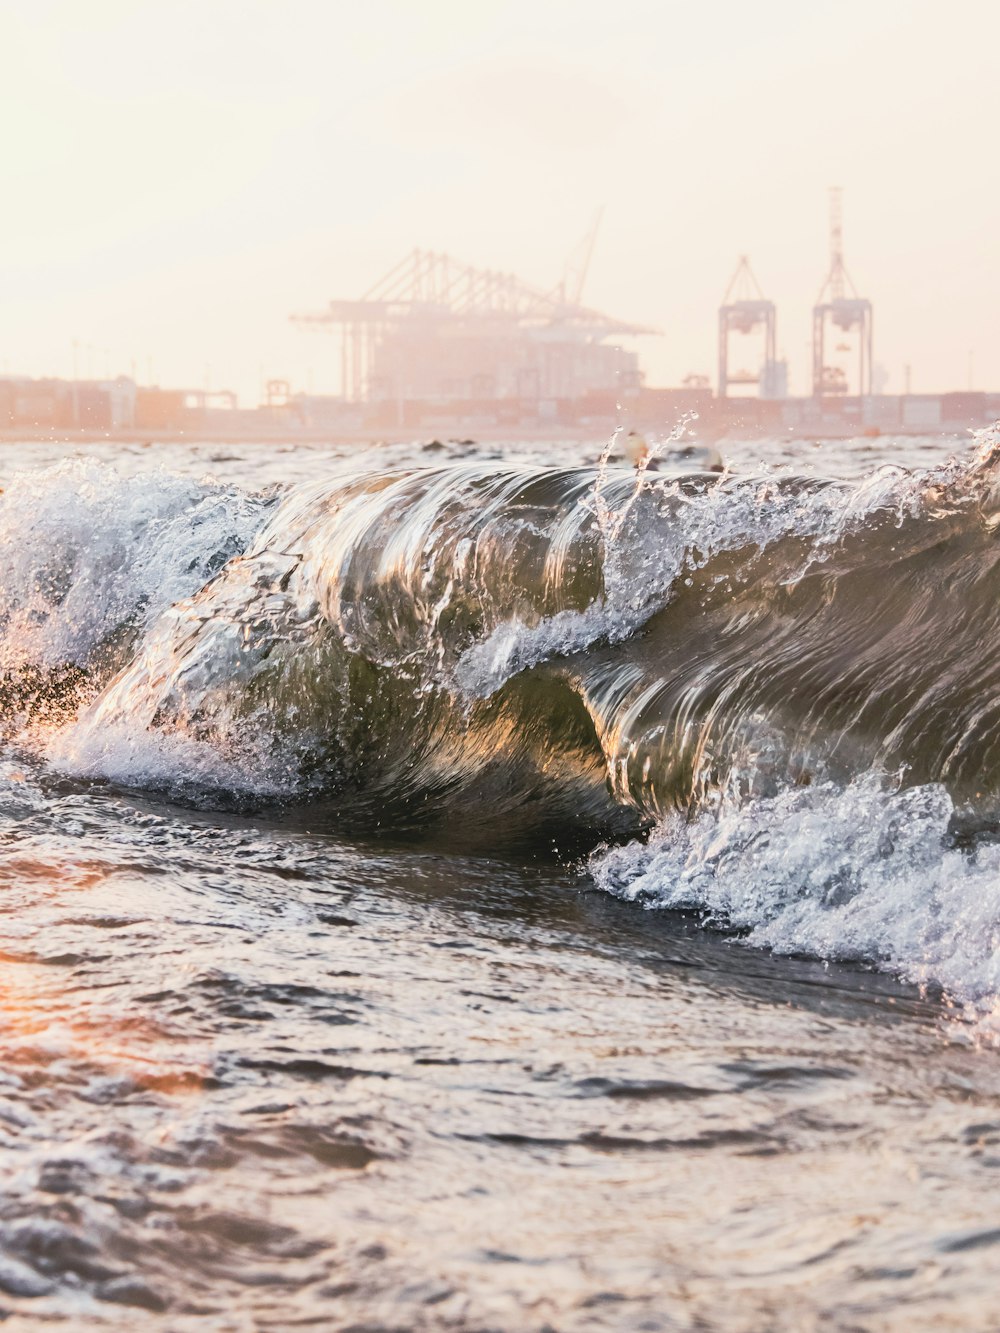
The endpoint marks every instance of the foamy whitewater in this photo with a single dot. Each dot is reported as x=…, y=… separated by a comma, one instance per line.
x=327, y=776
x=572, y=643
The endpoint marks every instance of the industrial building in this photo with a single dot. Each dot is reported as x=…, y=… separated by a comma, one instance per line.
x=437, y=347
x=91, y=404
x=111, y=405
x=437, y=333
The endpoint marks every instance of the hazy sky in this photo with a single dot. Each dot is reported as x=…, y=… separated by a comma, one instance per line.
x=179, y=177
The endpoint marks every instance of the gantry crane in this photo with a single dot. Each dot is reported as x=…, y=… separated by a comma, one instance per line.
x=839, y=304
x=431, y=301
x=743, y=310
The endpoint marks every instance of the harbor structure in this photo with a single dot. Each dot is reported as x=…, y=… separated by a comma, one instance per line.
x=745, y=311
x=839, y=313
x=111, y=405
x=436, y=331
x=439, y=347
x=61, y=409
x=107, y=404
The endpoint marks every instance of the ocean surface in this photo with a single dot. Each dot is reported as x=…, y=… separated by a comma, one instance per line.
x=496, y=889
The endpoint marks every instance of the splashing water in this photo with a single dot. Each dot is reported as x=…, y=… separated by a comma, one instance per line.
x=864, y=873
x=600, y=647
x=332, y=1037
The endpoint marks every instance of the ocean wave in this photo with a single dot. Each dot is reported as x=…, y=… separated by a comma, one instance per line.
x=867, y=872
x=719, y=670
x=87, y=553
x=438, y=634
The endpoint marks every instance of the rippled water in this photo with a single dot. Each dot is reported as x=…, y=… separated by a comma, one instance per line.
x=267, y=1066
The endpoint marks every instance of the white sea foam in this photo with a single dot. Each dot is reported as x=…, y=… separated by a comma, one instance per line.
x=148, y=757
x=85, y=550
x=862, y=872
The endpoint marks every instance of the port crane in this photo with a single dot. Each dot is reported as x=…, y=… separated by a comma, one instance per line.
x=745, y=309
x=428, y=296
x=839, y=306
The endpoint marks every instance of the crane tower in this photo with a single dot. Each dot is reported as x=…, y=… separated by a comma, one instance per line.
x=840, y=306
x=743, y=310
x=433, y=329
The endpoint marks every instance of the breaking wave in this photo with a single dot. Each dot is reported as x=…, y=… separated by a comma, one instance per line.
x=866, y=872
x=777, y=697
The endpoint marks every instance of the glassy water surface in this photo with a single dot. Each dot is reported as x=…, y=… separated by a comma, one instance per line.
x=412, y=918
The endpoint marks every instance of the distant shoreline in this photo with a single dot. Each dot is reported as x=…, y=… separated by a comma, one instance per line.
x=10, y=435
x=306, y=435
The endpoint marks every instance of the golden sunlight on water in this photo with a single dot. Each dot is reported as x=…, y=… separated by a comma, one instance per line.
x=257, y=1072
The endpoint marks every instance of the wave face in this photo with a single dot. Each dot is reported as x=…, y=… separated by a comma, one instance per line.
x=563, y=639
x=548, y=649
